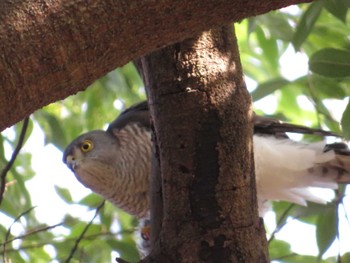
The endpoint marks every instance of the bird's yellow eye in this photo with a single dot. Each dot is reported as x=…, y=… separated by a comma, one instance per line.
x=86, y=146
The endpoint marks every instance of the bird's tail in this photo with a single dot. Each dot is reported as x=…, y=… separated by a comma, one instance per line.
x=287, y=170
x=340, y=164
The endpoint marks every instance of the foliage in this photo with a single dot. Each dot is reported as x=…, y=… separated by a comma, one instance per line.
x=318, y=31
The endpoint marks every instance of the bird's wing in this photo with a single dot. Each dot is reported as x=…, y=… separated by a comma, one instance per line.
x=277, y=128
x=138, y=114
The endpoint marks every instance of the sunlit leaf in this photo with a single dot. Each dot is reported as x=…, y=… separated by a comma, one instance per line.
x=127, y=251
x=345, y=122
x=288, y=103
x=345, y=257
x=332, y=124
x=326, y=229
x=8, y=208
x=338, y=8
x=20, y=188
x=268, y=88
x=70, y=221
x=133, y=77
x=63, y=249
x=91, y=200
x=23, y=164
x=269, y=50
x=306, y=23
x=278, y=248
x=310, y=213
x=2, y=150
x=277, y=25
x=252, y=23
x=106, y=216
x=331, y=62
x=326, y=88
x=64, y=194
x=15, y=256
x=78, y=229
x=126, y=221
x=54, y=131
x=97, y=244
x=39, y=254
x=295, y=258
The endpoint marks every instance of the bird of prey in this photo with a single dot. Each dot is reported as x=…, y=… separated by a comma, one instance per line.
x=116, y=163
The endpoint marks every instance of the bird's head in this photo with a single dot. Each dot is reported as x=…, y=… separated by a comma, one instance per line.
x=91, y=157
x=115, y=164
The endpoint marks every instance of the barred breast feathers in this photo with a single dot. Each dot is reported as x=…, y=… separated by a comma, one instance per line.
x=134, y=165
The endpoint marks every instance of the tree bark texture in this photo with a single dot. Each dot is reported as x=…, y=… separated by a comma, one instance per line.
x=202, y=117
x=50, y=49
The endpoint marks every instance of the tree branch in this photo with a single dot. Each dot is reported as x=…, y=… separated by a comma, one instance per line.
x=77, y=241
x=42, y=229
x=13, y=158
x=281, y=222
x=52, y=49
x=205, y=155
x=9, y=231
x=66, y=240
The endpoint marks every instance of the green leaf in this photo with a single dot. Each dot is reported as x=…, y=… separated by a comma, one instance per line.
x=306, y=24
x=127, y=251
x=63, y=249
x=276, y=24
x=330, y=62
x=268, y=88
x=77, y=229
x=22, y=190
x=326, y=229
x=288, y=102
x=54, y=131
x=345, y=257
x=69, y=221
x=270, y=49
x=8, y=208
x=338, y=8
x=345, y=122
x=325, y=88
x=64, y=194
x=295, y=258
x=106, y=217
x=278, y=248
x=91, y=200
x=307, y=214
x=2, y=151
x=39, y=255
x=333, y=125
x=132, y=76
x=15, y=256
x=252, y=24
x=100, y=245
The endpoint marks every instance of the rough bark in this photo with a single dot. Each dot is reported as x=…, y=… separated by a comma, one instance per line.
x=52, y=49
x=202, y=118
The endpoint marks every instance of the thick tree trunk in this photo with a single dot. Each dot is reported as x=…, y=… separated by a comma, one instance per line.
x=202, y=118
x=52, y=49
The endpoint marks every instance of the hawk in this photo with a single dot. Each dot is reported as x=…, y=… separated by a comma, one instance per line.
x=116, y=163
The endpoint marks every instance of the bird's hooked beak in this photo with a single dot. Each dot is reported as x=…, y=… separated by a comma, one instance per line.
x=71, y=162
